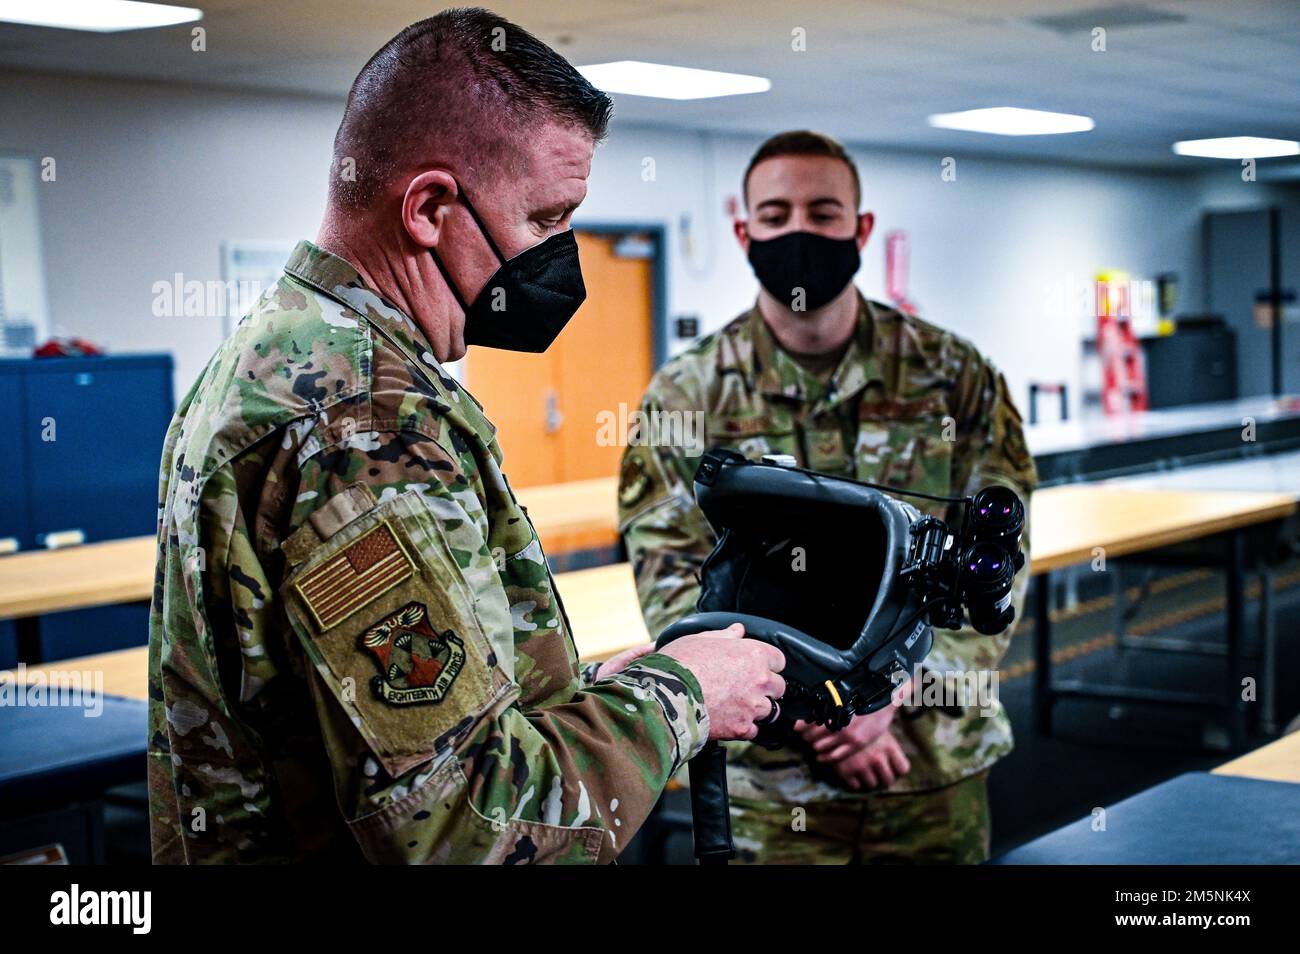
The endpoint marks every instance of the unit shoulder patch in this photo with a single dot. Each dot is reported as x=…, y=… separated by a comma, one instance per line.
x=634, y=480
x=417, y=664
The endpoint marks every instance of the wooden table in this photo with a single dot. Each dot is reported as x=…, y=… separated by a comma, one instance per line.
x=125, y=671
x=574, y=516
x=1068, y=524
x=579, y=515
x=603, y=609
x=1074, y=523
x=1269, y=472
x=1278, y=761
x=93, y=574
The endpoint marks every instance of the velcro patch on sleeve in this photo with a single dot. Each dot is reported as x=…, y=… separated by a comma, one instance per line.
x=361, y=572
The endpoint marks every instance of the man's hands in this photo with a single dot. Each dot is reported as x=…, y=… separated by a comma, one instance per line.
x=617, y=663
x=739, y=678
x=877, y=765
x=865, y=754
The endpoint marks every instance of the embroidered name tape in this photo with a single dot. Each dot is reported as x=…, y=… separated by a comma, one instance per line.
x=362, y=571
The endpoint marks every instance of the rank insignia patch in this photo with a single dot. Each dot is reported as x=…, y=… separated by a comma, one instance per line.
x=416, y=663
x=633, y=480
x=366, y=568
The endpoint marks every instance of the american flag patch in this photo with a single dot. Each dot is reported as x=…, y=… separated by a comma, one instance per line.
x=365, y=569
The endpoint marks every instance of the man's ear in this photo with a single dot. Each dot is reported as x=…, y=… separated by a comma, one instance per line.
x=866, y=222
x=425, y=204
x=741, y=228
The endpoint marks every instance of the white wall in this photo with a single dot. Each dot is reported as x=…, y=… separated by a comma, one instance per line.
x=152, y=179
x=998, y=254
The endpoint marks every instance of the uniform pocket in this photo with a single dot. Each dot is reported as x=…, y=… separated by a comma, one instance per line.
x=415, y=828
x=755, y=435
x=385, y=615
x=909, y=447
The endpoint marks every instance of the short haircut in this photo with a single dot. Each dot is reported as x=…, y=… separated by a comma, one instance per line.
x=803, y=142
x=462, y=88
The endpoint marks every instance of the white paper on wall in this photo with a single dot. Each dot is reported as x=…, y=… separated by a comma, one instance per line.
x=24, y=314
x=249, y=268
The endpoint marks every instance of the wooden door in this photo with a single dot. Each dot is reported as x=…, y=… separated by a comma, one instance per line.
x=548, y=407
x=514, y=389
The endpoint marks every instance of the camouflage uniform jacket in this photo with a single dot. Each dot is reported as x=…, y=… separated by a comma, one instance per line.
x=356, y=649
x=910, y=405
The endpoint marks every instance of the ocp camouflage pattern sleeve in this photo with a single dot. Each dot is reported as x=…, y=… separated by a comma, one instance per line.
x=666, y=534
x=489, y=770
x=356, y=648
x=512, y=760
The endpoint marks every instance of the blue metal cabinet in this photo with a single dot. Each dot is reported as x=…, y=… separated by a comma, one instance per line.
x=14, y=503
x=108, y=417
x=99, y=474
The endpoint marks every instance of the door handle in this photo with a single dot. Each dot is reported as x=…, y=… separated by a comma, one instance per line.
x=554, y=416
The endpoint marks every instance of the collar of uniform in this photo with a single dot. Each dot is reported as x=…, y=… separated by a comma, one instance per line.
x=861, y=364
x=339, y=279
x=777, y=374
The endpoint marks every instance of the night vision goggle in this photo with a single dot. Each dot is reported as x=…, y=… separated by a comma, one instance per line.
x=847, y=581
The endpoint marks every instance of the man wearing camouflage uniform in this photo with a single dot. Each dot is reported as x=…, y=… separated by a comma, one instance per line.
x=356, y=650
x=852, y=388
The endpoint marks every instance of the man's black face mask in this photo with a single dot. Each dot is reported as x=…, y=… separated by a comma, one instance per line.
x=804, y=270
x=528, y=300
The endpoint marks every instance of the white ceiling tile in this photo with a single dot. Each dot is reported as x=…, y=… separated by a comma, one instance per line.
x=872, y=70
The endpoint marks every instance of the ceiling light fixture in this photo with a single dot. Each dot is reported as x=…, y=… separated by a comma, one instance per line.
x=1012, y=121
x=1237, y=147
x=635, y=78
x=97, y=16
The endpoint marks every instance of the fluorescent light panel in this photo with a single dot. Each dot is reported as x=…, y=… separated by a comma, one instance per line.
x=97, y=16
x=635, y=78
x=1012, y=121
x=1237, y=147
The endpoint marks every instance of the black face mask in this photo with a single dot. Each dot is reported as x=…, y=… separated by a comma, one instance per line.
x=818, y=266
x=528, y=300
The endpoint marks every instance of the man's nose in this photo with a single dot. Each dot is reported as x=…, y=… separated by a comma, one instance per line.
x=801, y=220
